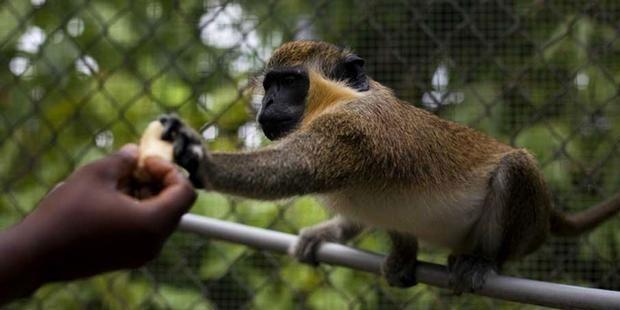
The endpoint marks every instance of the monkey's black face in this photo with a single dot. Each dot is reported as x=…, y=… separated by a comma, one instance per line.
x=284, y=101
x=286, y=89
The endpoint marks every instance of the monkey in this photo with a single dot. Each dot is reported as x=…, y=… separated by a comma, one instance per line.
x=380, y=162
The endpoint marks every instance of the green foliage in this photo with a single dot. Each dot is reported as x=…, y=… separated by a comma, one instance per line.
x=536, y=75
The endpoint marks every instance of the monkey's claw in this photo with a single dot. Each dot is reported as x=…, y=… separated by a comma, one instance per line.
x=399, y=272
x=468, y=273
x=304, y=250
x=188, y=150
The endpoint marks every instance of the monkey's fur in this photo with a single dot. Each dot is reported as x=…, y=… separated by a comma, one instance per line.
x=378, y=161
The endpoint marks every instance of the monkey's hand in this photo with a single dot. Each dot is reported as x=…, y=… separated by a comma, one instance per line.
x=337, y=229
x=188, y=150
x=399, y=271
x=468, y=273
x=399, y=267
x=310, y=238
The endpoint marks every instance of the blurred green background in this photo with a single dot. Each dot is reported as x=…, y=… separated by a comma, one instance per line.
x=80, y=78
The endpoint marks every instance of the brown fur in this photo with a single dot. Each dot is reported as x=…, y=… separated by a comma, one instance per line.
x=395, y=132
x=371, y=143
x=298, y=53
x=409, y=145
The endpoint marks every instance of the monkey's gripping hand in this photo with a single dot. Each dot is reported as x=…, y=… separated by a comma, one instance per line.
x=188, y=150
x=468, y=273
x=338, y=229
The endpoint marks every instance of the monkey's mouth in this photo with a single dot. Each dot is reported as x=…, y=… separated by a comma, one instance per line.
x=275, y=130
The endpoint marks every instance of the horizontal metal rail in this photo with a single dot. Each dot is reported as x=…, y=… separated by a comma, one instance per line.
x=497, y=286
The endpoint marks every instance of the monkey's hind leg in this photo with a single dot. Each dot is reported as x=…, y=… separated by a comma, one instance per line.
x=338, y=229
x=399, y=266
x=514, y=222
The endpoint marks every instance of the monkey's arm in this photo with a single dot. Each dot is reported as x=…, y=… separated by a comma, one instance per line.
x=266, y=174
x=313, y=160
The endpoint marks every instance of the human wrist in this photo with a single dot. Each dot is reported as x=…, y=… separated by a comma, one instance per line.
x=20, y=261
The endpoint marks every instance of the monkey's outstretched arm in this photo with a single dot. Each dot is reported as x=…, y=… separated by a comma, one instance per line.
x=272, y=173
x=308, y=161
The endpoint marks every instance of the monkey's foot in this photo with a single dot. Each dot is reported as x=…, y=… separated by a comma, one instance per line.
x=399, y=271
x=304, y=250
x=468, y=273
x=187, y=146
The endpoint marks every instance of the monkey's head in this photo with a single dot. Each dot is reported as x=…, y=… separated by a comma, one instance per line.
x=303, y=77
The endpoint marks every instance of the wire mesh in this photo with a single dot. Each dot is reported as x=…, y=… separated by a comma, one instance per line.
x=80, y=78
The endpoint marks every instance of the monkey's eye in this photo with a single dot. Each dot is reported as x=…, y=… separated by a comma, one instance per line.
x=284, y=77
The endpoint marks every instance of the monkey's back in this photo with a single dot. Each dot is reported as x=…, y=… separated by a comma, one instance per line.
x=411, y=146
x=425, y=172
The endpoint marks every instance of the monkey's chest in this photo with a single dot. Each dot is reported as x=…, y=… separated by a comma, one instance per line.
x=441, y=218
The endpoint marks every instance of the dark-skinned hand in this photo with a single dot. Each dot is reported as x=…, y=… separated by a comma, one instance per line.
x=90, y=224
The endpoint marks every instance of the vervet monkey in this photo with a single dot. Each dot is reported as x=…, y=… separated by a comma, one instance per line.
x=381, y=162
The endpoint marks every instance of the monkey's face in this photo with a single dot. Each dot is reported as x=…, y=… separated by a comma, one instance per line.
x=284, y=101
x=287, y=82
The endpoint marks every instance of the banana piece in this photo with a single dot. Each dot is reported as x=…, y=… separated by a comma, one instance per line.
x=151, y=144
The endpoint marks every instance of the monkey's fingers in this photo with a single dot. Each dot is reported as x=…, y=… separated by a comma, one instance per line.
x=468, y=273
x=304, y=250
x=188, y=149
x=399, y=271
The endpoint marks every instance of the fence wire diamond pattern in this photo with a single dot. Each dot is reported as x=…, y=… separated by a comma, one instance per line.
x=81, y=78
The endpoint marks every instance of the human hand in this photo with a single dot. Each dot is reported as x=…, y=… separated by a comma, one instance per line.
x=89, y=224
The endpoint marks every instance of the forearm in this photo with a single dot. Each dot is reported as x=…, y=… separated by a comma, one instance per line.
x=266, y=174
x=19, y=266
x=302, y=164
x=313, y=160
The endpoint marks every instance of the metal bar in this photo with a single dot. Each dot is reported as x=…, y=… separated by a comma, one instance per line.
x=497, y=286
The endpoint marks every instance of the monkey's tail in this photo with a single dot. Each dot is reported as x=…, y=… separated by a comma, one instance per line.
x=574, y=224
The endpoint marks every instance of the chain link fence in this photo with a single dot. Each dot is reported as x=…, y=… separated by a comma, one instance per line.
x=80, y=78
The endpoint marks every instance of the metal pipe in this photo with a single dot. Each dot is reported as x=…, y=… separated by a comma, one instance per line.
x=497, y=286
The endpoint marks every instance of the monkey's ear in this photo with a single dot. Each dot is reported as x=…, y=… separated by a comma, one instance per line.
x=351, y=70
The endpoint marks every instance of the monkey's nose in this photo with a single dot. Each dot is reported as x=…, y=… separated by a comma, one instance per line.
x=266, y=121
